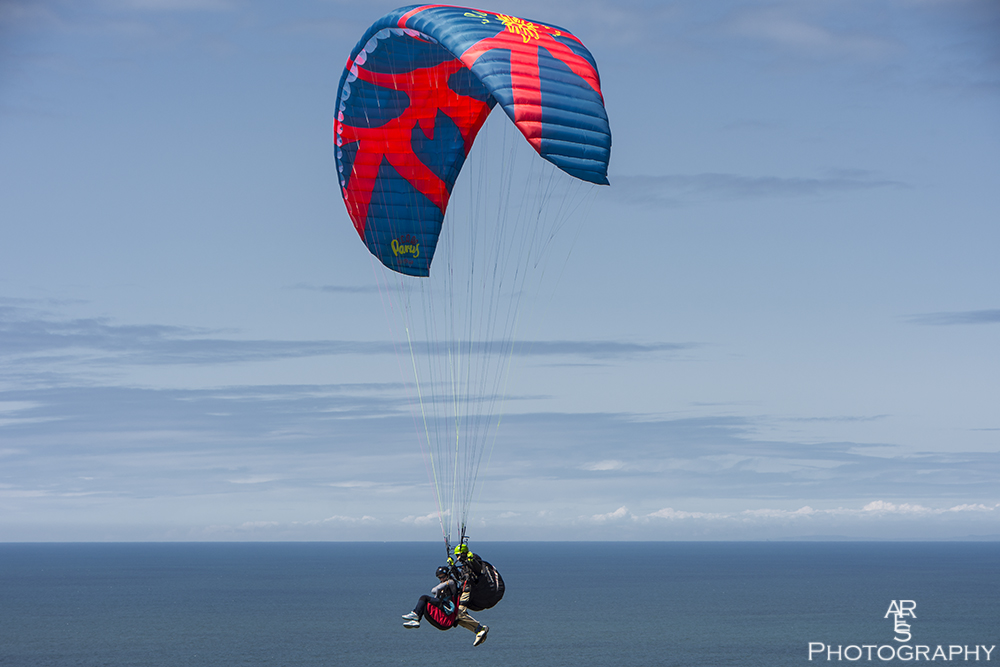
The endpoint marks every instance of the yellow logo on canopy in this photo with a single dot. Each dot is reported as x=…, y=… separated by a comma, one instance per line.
x=526, y=29
x=409, y=246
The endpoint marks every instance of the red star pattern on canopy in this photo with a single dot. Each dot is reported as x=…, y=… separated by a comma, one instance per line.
x=428, y=93
x=524, y=39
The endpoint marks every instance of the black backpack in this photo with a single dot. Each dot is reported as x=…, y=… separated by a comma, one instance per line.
x=487, y=589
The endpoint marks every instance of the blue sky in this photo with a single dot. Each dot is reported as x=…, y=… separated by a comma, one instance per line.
x=781, y=321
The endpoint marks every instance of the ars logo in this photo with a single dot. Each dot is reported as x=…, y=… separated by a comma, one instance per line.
x=902, y=609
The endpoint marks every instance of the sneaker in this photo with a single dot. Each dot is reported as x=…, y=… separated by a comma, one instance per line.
x=411, y=624
x=481, y=635
x=411, y=616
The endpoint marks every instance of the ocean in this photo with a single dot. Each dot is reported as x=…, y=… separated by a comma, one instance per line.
x=567, y=604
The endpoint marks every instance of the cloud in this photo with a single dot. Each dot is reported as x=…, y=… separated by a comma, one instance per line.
x=672, y=514
x=781, y=514
x=876, y=508
x=610, y=464
x=101, y=339
x=425, y=520
x=343, y=289
x=9, y=410
x=352, y=441
x=679, y=189
x=349, y=519
x=619, y=514
x=883, y=507
x=841, y=418
x=977, y=507
x=15, y=406
x=880, y=506
x=356, y=445
x=721, y=457
x=596, y=349
x=22, y=493
x=254, y=479
x=28, y=335
x=991, y=316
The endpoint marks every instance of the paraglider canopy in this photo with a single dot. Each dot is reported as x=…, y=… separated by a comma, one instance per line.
x=416, y=90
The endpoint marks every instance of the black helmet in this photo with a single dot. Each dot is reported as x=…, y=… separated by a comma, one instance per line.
x=442, y=572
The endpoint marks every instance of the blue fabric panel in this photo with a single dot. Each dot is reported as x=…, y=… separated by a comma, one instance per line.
x=373, y=106
x=404, y=53
x=579, y=49
x=399, y=212
x=445, y=153
x=575, y=135
x=493, y=69
x=345, y=160
x=464, y=82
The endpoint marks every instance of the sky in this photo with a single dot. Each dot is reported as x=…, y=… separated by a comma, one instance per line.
x=780, y=321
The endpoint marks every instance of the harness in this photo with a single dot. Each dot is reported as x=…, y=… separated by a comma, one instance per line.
x=442, y=613
x=481, y=580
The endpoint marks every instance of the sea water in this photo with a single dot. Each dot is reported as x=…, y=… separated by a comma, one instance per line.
x=567, y=604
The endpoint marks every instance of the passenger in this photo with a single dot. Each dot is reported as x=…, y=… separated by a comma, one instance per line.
x=441, y=611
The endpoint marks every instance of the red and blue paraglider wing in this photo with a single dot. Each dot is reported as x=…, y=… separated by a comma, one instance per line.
x=416, y=91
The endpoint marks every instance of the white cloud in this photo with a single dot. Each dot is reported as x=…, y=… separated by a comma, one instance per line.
x=882, y=507
x=254, y=479
x=610, y=464
x=875, y=508
x=23, y=493
x=769, y=513
x=349, y=519
x=15, y=406
x=979, y=507
x=887, y=507
x=426, y=520
x=9, y=408
x=671, y=513
x=618, y=514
